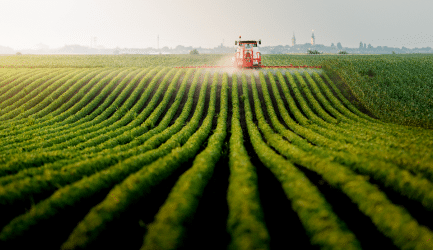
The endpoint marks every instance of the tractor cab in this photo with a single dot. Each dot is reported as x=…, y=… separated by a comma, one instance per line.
x=247, y=54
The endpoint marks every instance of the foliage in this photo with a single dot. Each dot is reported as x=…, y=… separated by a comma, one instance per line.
x=313, y=52
x=396, y=88
x=84, y=150
x=193, y=52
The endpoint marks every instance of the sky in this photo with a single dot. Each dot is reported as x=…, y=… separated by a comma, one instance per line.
x=137, y=23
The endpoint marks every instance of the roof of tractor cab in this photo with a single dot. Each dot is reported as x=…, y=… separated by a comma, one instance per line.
x=250, y=41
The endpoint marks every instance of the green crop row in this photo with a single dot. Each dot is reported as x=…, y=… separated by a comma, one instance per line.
x=76, y=136
x=45, y=99
x=364, y=194
x=32, y=89
x=167, y=231
x=36, y=128
x=112, y=136
x=8, y=79
x=145, y=141
x=407, y=184
x=345, y=131
x=50, y=176
x=396, y=89
x=48, y=121
x=128, y=118
x=102, y=179
x=21, y=83
x=101, y=120
x=391, y=139
x=320, y=222
x=245, y=221
x=132, y=187
x=79, y=168
x=39, y=108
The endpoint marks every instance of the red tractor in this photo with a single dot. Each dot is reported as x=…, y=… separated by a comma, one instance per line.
x=247, y=54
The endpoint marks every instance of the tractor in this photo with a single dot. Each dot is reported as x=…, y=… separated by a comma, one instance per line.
x=247, y=54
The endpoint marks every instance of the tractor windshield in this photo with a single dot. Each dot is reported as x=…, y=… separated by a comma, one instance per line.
x=248, y=44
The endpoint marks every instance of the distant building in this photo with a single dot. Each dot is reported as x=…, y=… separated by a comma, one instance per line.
x=293, y=39
x=313, y=39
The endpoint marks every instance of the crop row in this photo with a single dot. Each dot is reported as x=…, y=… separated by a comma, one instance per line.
x=74, y=167
x=178, y=149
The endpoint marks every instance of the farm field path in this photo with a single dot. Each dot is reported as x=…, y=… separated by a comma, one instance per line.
x=167, y=158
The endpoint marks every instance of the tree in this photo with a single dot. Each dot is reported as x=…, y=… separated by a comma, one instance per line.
x=332, y=45
x=361, y=45
x=313, y=52
x=342, y=52
x=193, y=52
x=369, y=46
x=339, y=46
x=18, y=53
x=365, y=45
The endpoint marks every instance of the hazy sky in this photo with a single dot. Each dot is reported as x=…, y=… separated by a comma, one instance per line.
x=136, y=24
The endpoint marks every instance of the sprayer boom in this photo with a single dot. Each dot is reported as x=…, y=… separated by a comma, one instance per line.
x=254, y=67
x=248, y=56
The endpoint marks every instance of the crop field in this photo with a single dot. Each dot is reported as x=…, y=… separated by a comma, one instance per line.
x=132, y=153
